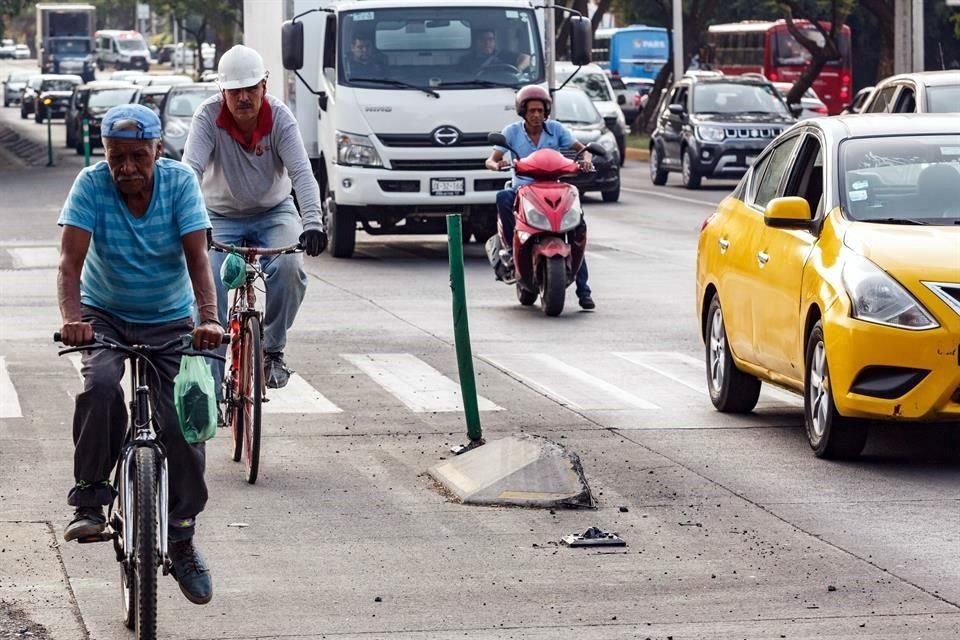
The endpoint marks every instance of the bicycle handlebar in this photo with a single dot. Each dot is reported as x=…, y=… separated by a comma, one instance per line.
x=254, y=251
x=101, y=341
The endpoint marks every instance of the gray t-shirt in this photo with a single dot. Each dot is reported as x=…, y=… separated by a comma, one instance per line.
x=237, y=183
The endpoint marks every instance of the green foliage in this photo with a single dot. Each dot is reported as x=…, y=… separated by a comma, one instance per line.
x=10, y=9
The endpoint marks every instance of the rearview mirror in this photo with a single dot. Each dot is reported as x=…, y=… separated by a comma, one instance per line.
x=497, y=139
x=597, y=149
x=581, y=40
x=676, y=109
x=792, y=212
x=621, y=99
x=291, y=38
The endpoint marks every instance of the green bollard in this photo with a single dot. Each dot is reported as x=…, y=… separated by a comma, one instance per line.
x=461, y=332
x=86, y=142
x=48, y=103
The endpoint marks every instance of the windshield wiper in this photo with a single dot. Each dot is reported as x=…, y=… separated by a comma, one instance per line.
x=478, y=83
x=398, y=83
x=908, y=221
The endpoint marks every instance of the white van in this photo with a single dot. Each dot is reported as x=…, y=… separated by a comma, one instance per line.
x=121, y=50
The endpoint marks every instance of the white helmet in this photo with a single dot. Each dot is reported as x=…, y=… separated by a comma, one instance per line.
x=240, y=67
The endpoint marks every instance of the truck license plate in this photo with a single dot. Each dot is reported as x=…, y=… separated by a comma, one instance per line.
x=447, y=186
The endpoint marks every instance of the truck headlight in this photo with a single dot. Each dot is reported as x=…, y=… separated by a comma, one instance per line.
x=357, y=151
x=535, y=217
x=876, y=297
x=711, y=134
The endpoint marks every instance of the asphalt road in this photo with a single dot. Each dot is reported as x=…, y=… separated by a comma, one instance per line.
x=734, y=529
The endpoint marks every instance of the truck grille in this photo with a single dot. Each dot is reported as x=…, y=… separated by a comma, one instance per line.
x=453, y=164
x=427, y=140
x=752, y=132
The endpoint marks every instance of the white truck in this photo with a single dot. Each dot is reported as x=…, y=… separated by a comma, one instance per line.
x=398, y=133
x=64, y=38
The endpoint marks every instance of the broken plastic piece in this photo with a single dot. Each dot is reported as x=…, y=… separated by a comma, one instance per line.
x=593, y=537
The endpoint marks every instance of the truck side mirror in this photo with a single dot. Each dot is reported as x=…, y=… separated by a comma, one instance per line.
x=621, y=99
x=581, y=40
x=291, y=39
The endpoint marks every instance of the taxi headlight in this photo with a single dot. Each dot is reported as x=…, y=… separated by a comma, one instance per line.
x=357, y=151
x=876, y=297
x=535, y=217
x=711, y=134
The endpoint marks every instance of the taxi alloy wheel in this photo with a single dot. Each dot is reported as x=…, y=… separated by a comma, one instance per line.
x=731, y=390
x=831, y=435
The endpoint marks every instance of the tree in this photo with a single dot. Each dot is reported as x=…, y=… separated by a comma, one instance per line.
x=884, y=12
x=9, y=9
x=196, y=17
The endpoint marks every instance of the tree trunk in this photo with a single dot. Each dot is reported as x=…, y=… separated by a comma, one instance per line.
x=884, y=12
x=563, y=33
x=646, y=121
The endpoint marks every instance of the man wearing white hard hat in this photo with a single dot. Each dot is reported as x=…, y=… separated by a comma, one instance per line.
x=247, y=152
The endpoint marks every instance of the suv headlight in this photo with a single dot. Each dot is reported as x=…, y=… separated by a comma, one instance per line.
x=357, y=151
x=711, y=134
x=535, y=217
x=876, y=297
x=608, y=142
x=572, y=217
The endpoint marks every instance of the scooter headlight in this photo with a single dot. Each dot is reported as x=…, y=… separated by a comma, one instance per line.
x=572, y=217
x=535, y=217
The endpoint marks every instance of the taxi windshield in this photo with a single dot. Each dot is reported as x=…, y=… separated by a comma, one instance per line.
x=901, y=180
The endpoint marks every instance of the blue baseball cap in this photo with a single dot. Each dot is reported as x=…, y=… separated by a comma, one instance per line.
x=131, y=121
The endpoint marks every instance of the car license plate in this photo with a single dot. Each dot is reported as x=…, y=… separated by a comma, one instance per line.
x=447, y=186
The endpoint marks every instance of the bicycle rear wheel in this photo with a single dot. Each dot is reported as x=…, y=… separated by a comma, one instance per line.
x=252, y=369
x=145, y=542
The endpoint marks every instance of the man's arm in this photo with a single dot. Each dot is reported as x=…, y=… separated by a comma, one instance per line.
x=294, y=157
x=200, y=143
x=74, y=243
x=208, y=333
x=496, y=161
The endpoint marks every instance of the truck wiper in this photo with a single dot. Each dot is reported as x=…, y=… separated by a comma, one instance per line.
x=478, y=83
x=909, y=221
x=398, y=83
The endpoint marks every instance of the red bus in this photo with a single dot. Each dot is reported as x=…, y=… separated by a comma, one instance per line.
x=768, y=48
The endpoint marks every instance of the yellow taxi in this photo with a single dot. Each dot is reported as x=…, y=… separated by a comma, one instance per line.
x=833, y=270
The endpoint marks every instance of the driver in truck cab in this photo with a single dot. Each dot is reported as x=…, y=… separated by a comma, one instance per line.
x=361, y=64
x=486, y=54
x=525, y=136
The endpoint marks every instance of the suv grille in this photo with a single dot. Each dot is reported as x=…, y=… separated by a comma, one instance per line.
x=746, y=133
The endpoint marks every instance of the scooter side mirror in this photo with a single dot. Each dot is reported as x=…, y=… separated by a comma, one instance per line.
x=497, y=139
x=595, y=148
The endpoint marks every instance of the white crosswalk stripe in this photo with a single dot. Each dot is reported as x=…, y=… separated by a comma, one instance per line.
x=34, y=257
x=689, y=372
x=9, y=401
x=415, y=383
x=298, y=397
x=570, y=386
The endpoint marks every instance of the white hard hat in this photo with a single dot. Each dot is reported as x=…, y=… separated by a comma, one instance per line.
x=240, y=67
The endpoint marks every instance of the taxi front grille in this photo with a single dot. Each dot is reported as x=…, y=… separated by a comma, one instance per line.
x=949, y=292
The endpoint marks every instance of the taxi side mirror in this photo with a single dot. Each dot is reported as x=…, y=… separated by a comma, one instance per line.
x=790, y=212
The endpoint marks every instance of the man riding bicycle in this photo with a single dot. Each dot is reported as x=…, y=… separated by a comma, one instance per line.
x=246, y=149
x=133, y=266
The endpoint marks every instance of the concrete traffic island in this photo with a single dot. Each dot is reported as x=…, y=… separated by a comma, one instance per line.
x=522, y=470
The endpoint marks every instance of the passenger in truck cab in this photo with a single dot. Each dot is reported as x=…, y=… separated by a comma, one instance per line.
x=361, y=63
x=485, y=54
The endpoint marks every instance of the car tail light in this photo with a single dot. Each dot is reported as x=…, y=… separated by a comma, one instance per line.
x=773, y=76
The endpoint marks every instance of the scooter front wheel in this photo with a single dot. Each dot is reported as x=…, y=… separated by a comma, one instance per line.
x=553, y=285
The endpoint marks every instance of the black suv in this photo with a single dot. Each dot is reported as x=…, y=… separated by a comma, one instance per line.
x=714, y=126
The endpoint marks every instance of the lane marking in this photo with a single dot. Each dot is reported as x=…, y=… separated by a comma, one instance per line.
x=415, y=383
x=299, y=396
x=567, y=384
x=9, y=401
x=670, y=196
x=34, y=257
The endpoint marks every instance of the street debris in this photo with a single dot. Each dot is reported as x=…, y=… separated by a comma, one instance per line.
x=593, y=537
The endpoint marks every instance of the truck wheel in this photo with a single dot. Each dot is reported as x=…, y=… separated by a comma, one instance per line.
x=341, y=223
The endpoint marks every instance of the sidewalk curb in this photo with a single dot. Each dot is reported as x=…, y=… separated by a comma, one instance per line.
x=637, y=154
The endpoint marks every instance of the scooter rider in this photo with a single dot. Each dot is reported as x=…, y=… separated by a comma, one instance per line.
x=524, y=137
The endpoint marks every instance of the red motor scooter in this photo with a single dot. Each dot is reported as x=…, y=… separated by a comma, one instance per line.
x=550, y=238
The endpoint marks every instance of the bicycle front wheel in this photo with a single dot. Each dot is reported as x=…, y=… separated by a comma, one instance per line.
x=145, y=541
x=253, y=395
x=234, y=392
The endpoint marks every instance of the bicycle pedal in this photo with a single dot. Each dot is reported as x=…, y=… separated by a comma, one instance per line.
x=105, y=536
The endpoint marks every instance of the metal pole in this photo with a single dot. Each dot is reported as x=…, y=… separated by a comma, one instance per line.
x=677, y=39
x=917, y=36
x=550, y=43
x=49, y=136
x=461, y=330
x=86, y=142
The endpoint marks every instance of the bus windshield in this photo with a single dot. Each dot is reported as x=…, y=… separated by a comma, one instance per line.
x=461, y=48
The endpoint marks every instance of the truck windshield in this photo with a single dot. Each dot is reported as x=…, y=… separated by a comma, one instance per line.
x=65, y=46
x=132, y=44
x=459, y=47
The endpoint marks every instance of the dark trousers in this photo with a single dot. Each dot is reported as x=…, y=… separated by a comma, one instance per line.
x=100, y=421
x=505, y=200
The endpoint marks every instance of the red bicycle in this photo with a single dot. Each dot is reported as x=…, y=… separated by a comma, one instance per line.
x=244, y=389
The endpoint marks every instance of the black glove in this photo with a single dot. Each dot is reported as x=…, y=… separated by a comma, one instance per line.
x=313, y=241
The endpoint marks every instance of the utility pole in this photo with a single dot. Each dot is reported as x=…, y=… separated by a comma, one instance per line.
x=550, y=44
x=908, y=36
x=677, y=39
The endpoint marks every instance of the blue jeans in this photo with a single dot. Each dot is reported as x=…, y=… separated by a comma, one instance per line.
x=505, y=200
x=286, y=279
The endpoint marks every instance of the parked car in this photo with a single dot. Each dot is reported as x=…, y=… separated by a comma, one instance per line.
x=21, y=52
x=127, y=76
x=181, y=103
x=53, y=98
x=12, y=86
x=89, y=102
x=8, y=48
x=121, y=50
x=714, y=126
x=28, y=95
x=859, y=100
x=811, y=106
x=832, y=270
x=152, y=96
x=630, y=105
x=922, y=92
x=574, y=109
x=596, y=84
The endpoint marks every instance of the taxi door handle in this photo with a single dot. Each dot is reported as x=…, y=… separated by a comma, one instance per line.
x=724, y=245
x=763, y=257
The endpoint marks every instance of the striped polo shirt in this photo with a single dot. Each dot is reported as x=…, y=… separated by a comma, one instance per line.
x=135, y=268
